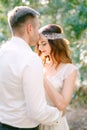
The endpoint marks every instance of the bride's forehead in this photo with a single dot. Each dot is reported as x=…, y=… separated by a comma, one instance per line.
x=42, y=38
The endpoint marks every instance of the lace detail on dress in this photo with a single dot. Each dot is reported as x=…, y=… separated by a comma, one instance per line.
x=69, y=70
x=58, y=78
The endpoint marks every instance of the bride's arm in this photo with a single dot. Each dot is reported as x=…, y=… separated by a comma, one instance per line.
x=61, y=100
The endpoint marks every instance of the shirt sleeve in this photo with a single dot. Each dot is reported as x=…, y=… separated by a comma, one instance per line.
x=34, y=93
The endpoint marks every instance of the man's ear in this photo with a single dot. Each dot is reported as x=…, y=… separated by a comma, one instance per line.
x=29, y=28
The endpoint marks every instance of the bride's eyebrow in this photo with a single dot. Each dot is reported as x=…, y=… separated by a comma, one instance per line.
x=43, y=41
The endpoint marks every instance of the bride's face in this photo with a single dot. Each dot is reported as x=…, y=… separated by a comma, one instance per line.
x=44, y=46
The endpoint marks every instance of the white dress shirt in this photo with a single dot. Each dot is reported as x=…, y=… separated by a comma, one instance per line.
x=22, y=96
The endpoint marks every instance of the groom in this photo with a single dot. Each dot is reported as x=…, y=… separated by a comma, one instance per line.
x=22, y=98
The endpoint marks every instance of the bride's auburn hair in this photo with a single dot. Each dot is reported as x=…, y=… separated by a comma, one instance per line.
x=60, y=51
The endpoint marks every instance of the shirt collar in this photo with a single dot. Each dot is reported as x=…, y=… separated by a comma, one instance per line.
x=20, y=42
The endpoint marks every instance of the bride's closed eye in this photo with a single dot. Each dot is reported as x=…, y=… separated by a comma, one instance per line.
x=44, y=43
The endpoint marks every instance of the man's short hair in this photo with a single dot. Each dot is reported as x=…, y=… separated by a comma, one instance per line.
x=19, y=15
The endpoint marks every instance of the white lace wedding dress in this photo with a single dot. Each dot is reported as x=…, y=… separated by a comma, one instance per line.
x=57, y=82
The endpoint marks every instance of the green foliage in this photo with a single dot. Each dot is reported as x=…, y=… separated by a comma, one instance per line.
x=76, y=18
x=80, y=96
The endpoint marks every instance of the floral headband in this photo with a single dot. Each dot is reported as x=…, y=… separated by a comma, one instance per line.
x=53, y=36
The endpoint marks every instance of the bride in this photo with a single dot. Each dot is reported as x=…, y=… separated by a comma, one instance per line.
x=59, y=71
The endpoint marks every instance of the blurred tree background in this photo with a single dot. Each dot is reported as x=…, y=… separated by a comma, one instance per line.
x=72, y=16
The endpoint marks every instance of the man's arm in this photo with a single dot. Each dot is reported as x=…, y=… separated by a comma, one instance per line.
x=34, y=93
